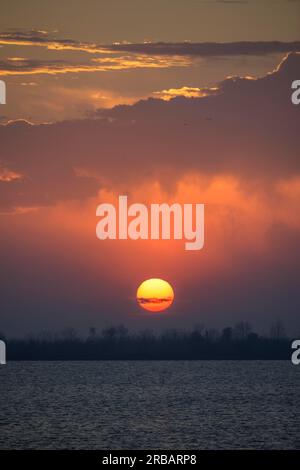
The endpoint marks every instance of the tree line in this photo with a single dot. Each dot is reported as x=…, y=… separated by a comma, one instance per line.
x=117, y=343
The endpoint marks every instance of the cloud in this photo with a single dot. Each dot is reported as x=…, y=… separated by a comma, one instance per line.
x=27, y=179
x=8, y=175
x=123, y=55
x=153, y=300
x=203, y=49
x=209, y=49
x=47, y=40
x=188, y=92
x=22, y=66
x=236, y=130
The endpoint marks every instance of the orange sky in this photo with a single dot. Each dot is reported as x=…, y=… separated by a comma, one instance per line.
x=194, y=128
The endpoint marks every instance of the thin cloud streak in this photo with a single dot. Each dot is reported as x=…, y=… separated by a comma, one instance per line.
x=203, y=49
x=22, y=66
x=210, y=49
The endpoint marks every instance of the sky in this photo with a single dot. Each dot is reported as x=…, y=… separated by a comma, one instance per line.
x=164, y=101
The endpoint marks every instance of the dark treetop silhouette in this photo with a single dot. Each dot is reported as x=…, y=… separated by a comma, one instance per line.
x=116, y=343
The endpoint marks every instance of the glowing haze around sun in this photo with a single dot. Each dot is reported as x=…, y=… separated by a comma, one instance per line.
x=155, y=295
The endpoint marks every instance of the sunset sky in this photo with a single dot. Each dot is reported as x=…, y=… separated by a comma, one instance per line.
x=164, y=101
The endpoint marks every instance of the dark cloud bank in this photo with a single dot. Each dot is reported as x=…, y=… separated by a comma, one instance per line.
x=247, y=127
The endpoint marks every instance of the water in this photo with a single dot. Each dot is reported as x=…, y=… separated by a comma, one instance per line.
x=150, y=405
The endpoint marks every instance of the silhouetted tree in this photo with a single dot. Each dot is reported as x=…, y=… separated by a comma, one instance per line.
x=241, y=330
x=92, y=333
x=277, y=330
x=227, y=334
x=69, y=334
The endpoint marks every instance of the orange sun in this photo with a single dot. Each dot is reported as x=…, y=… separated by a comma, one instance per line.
x=155, y=295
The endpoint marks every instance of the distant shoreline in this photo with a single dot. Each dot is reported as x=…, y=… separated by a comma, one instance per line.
x=150, y=360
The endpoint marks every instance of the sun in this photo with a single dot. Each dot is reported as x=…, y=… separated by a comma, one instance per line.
x=155, y=295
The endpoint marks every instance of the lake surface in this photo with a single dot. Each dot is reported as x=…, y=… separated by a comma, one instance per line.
x=150, y=405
